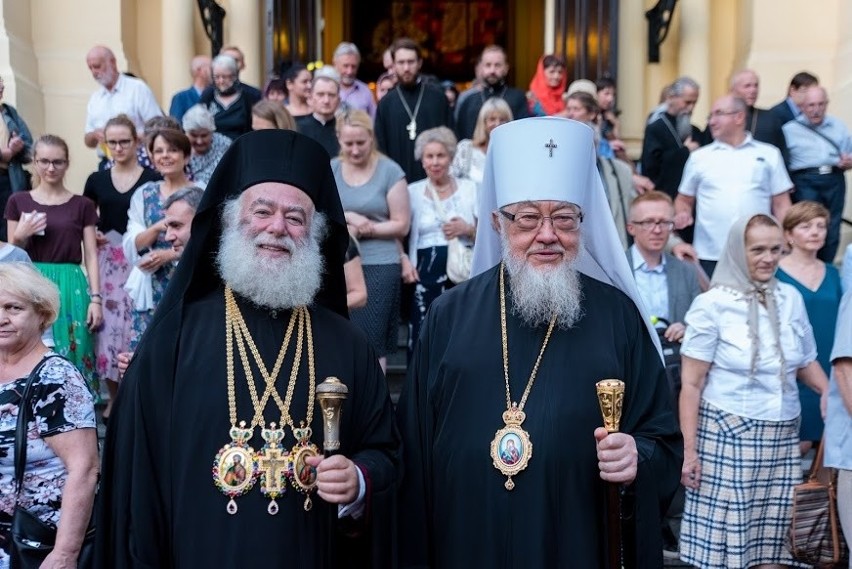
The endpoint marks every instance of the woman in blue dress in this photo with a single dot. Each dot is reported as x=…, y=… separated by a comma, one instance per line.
x=805, y=227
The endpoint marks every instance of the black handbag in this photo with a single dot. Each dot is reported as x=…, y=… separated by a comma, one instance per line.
x=32, y=540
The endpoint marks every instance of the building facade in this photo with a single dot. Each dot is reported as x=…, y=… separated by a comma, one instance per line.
x=43, y=44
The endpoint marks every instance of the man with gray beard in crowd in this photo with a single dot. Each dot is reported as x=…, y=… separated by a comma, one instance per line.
x=510, y=359
x=225, y=378
x=670, y=139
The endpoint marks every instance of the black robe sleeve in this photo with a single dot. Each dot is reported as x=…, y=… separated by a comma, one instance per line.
x=133, y=518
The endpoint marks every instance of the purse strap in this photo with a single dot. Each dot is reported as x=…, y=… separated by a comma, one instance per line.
x=438, y=205
x=817, y=464
x=24, y=415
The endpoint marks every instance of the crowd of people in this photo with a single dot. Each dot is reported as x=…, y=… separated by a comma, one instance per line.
x=458, y=214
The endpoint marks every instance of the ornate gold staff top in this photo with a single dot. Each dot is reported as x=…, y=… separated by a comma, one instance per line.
x=331, y=394
x=611, y=399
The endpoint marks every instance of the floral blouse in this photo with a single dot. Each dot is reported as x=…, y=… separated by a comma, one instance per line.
x=61, y=402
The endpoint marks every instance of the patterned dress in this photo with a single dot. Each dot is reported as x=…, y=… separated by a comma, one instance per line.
x=152, y=213
x=61, y=402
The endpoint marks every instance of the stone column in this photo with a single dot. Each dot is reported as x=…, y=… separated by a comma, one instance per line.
x=243, y=28
x=178, y=47
x=694, y=47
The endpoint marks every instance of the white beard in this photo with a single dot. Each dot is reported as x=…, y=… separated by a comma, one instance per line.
x=281, y=283
x=540, y=293
x=684, y=126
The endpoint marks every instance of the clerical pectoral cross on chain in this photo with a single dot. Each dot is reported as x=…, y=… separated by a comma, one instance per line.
x=412, y=129
x=271, y=463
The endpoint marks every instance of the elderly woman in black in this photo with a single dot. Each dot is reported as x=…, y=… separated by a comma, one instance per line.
x=61, y=468
x=227, y=100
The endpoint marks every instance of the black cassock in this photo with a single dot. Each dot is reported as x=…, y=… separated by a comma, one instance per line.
x=158, y=492
x=454, y=509
x=391, y=119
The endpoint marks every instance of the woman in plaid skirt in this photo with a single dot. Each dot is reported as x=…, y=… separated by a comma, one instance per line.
x=739, y=405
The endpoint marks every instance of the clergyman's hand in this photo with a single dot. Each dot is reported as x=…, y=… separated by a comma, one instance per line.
x=618, y=458
x=337, y=478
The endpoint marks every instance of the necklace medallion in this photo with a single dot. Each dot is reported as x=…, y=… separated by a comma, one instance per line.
x=234, y=468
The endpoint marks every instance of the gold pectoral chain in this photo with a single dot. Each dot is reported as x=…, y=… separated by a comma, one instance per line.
x=511, y=448
x=237, y=466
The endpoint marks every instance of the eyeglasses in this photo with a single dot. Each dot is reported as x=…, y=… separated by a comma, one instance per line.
x=45, y=163
x=123, y=143
x=651, y=224
x=529, y=221
x=228, y=77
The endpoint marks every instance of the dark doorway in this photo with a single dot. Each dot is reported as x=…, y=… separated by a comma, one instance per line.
x=295, y=35
x=451, y=33
x=587, y=36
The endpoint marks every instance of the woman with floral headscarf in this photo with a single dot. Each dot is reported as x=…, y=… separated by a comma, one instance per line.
x=747, y=338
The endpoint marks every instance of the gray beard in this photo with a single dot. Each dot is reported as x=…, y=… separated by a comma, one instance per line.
x=539, y=294
x=683, y=126
x=270, y=283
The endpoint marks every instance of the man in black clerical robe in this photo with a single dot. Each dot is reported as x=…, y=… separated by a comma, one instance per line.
x=494, y=68
x=456, y=508
x=158, y=504
x=413, y=106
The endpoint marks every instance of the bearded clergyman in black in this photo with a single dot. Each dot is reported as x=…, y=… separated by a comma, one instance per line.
x=253, y=320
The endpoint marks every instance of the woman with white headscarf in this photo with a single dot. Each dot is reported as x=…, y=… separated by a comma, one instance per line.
x=746, y=340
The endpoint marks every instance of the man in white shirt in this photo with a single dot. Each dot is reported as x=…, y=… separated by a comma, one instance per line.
x=118, y=94
x=729, y=178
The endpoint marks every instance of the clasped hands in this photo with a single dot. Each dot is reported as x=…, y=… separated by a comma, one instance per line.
x=618, y=458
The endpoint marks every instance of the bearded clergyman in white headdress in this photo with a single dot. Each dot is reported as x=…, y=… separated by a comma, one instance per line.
x=511, y=357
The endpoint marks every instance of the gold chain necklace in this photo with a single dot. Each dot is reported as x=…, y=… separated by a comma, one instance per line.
x=511, y=449
x=237, y=466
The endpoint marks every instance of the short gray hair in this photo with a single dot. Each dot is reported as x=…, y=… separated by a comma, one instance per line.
x=676, y=89
x=225, y=60
x=327, y=73
x=346, y=48
x=191, y=195
x=27, y=283
x=439, y=134
x=198, y=117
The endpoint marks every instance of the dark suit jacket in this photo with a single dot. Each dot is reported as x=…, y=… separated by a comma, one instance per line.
x=783, y=112
x=663, y=157
x=683, y=285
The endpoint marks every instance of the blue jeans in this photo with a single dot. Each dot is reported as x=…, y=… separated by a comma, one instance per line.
x=830, y=191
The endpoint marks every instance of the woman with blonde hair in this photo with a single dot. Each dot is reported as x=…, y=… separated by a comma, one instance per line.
x=469, y=161
x=375, y=201
x=60, y=457
x=50, y=223
x=271, y=114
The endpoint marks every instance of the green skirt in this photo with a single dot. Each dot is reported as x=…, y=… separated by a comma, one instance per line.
x=70, y=333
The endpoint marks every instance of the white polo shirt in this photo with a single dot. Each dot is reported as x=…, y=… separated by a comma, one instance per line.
x=729, y=182
x=130, y=96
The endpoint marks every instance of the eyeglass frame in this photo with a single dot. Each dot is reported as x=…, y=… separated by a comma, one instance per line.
x=123, y=143
x=45, y=163
x=577, y=216
x=644, y=224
